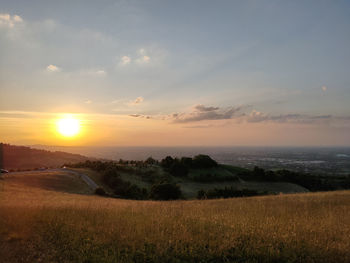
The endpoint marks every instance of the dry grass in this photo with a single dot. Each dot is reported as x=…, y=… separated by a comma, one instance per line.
x=38, y=225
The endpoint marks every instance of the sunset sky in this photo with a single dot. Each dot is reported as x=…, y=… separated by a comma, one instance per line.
x=175, y=73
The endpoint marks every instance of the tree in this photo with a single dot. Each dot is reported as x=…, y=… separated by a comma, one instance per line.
x=201, y=194
x=150, y=161
x=165, y=191
x=259, y=172
x=178, y=169
x=167, y=162
x=187, y=161
x=204, y=161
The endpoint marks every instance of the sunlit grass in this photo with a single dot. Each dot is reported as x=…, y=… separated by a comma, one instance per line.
x=38, y=225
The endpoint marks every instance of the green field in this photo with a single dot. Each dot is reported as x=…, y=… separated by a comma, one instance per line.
x=42, y=220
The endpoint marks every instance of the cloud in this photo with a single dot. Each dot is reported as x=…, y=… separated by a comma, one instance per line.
x=53, y=68
x=208, y=113
x=137, y=101
x=10, y=21
x=125, y=60
x=17, y=19
x=126, y=106
x=203, y=108
x=142, y=51
x=201, y=113
x=256, y=116
x=101, y=72
x=91, y=72
x=324, y=88
x=88, y=101
x=140, y=116
x=143, y=60
x=146, y=59
x=5, y=17
x=140, y=57
x=205, y=126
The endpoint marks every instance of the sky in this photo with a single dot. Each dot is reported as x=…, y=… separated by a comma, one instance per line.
x=176, y=73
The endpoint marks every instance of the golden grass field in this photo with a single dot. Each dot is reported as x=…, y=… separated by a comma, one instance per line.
x=41, y=220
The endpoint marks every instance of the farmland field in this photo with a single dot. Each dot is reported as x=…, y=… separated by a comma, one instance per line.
x=44, y=220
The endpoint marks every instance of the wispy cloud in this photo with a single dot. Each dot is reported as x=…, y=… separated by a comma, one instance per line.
x=204, y=115
x=137, y=101
x=101, y=73
x=201, y=113
x=10, y=21
x=125, y=60
x=127, y=106
x=203, y=108
x=92, y=72
x=256, y=116
x=143, y=56
x=53, y=68
x=140, y=116
x=143, y=60
x=140, y=57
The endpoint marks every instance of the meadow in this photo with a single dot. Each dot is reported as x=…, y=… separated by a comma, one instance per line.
x=43, y=220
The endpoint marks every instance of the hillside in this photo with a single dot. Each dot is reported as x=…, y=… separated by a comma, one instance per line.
x=44, y=221
x=200, y=177
x=20, y=157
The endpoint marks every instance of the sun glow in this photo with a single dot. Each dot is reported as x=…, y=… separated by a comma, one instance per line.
x=68, y=126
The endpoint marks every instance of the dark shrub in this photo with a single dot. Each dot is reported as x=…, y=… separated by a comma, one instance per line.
x=187, y=161
x=166, y=191
x=259, y=172
x=178, y=169
x=100, y=191
x=167, y=162
x=208, y=178
x=150, y=161
x=131, y=191
x=111, y=177
x=201, y=194
x=228, y=192
x=203, y=161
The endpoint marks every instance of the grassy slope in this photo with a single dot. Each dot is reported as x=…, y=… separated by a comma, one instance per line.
x=38, y=224
x=21, y=157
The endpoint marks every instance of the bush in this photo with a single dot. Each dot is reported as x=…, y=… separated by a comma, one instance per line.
x=111, y=177
x=167, y=162
x=178, y=169
x=208, y=178
x=151, y=161
x=203, y=161
x=131, y=191
x=165, y=191
x=259, y=172
x=201, y=194
x=123, y=188
x=100, y=191
x=227, y=192
x=187, y=161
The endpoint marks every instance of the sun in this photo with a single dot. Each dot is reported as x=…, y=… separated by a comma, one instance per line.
x=68, y=126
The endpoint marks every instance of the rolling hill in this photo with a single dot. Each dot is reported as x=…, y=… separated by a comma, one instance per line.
x=21, y=157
